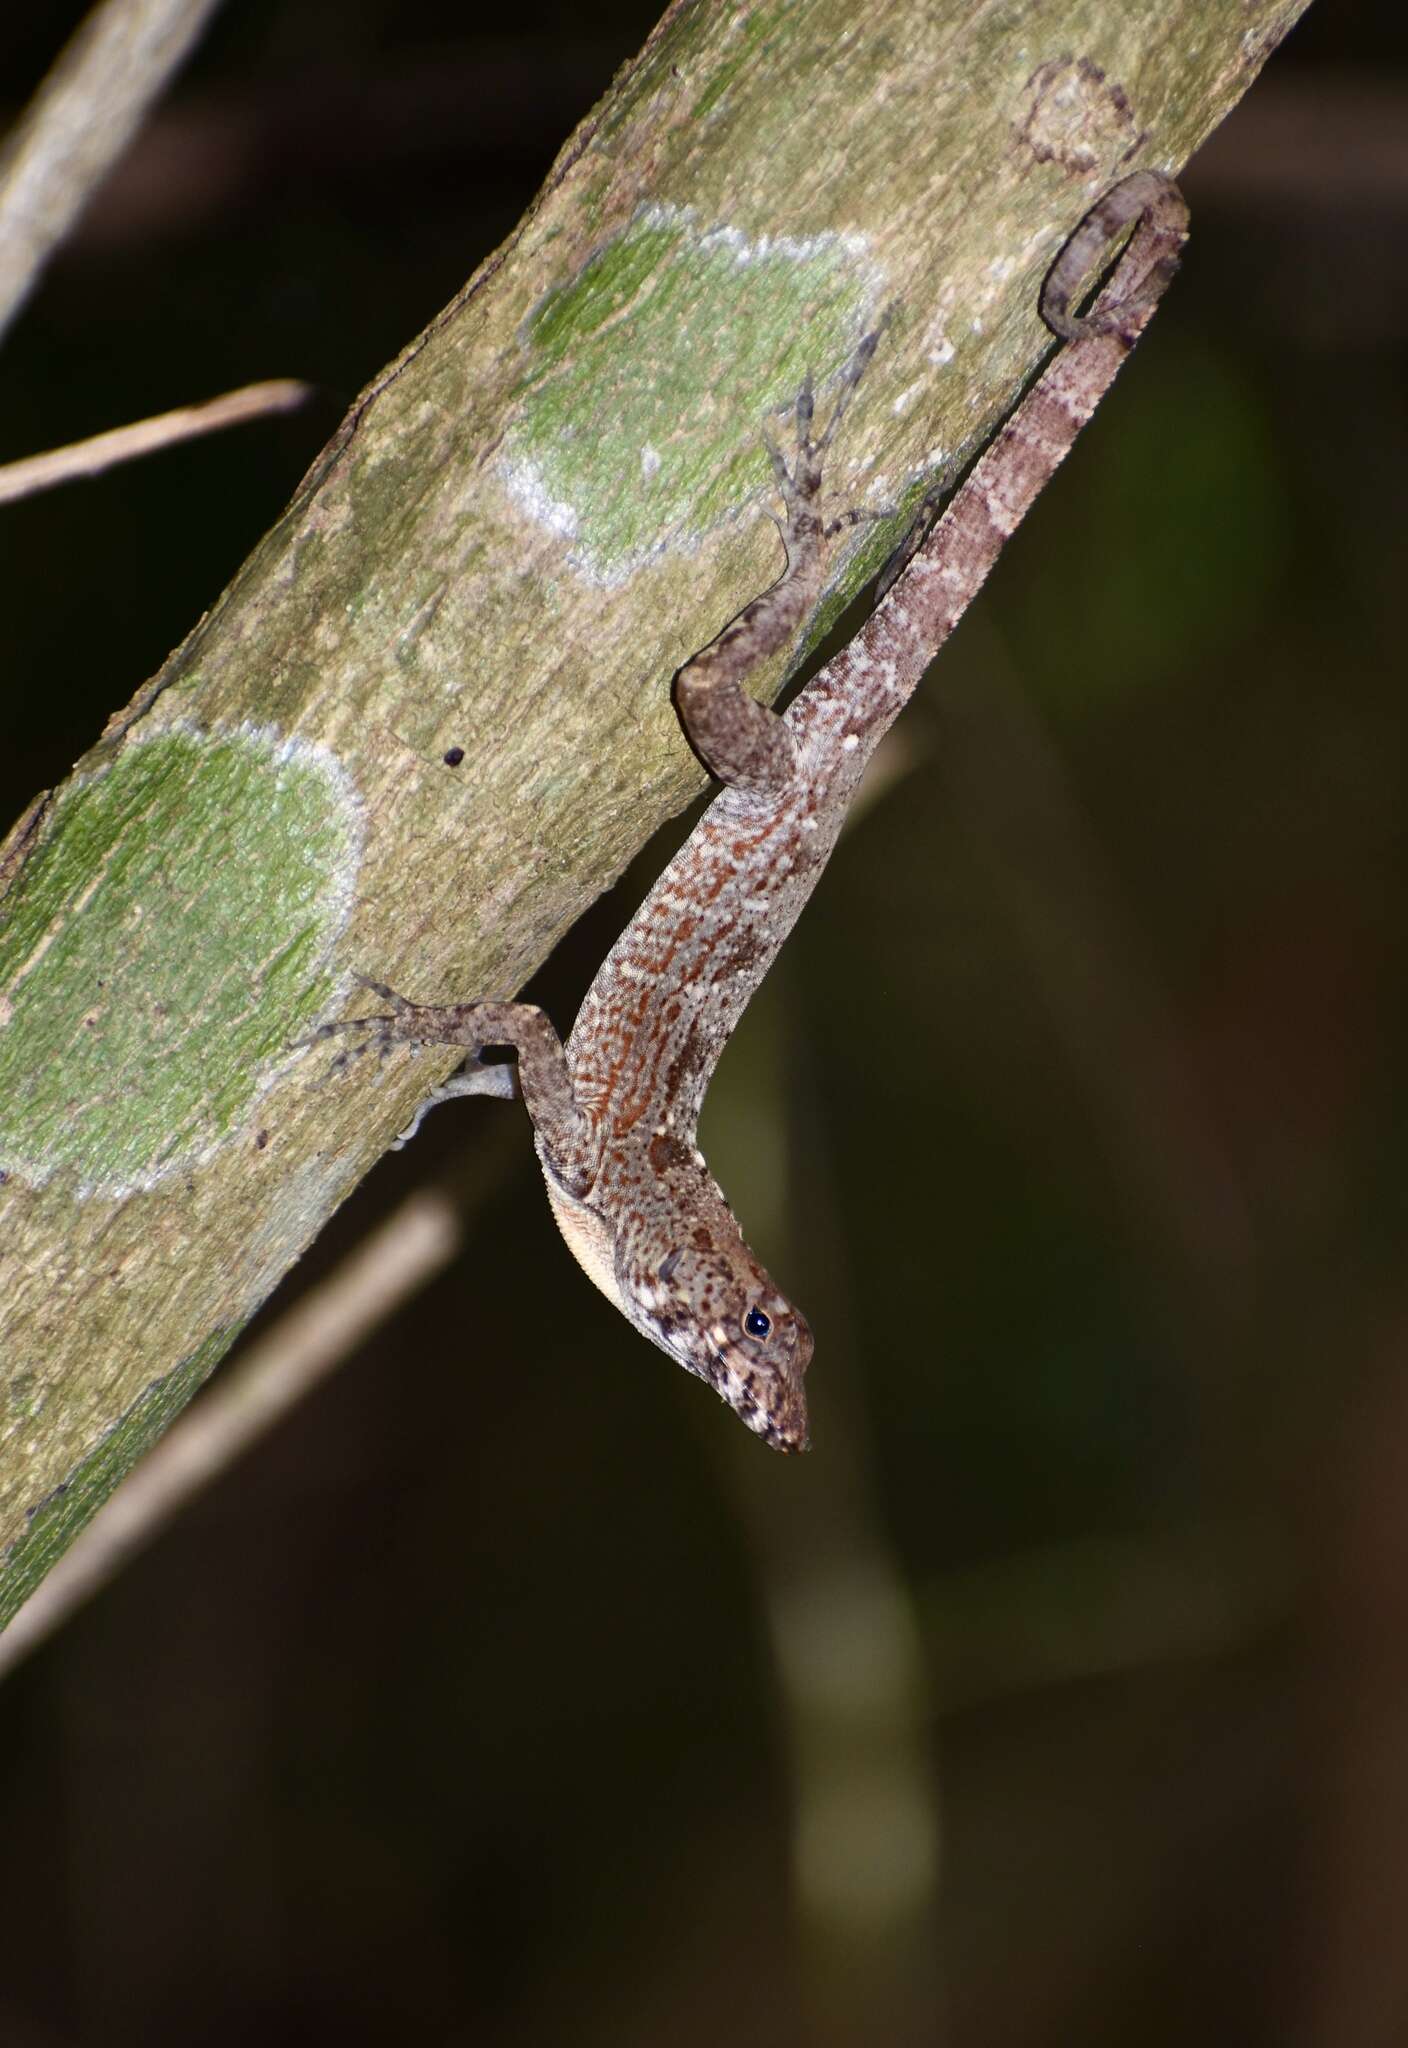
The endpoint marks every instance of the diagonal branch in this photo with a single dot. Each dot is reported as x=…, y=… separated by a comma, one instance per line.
x=98, y=452
x=430, y=718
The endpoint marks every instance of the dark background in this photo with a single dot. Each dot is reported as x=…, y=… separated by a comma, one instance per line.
x=1061, y=1695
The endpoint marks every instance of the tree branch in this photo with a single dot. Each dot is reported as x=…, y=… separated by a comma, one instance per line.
x=147, y=437
x=429, y=720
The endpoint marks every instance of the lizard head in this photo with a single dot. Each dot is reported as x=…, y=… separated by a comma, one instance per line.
x=717, y=1313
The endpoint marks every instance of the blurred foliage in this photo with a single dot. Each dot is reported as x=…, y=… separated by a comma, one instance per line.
x=1058, y=1695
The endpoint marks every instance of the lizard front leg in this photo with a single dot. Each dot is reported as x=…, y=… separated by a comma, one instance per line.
x=568, y=1136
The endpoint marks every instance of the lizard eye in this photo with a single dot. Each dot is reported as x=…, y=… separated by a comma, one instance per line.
x=757, y=1324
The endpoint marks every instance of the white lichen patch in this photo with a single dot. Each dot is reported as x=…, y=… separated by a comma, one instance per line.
x=526, y=483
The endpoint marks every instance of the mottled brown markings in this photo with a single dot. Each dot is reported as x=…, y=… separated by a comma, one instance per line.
x=747, y=949
x=615, y=1109
x=665, y=1151
x=688, y=1064
x=1078, y=117
x=645, y=1092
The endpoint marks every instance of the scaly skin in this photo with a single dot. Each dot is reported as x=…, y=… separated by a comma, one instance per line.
x=615, y=1110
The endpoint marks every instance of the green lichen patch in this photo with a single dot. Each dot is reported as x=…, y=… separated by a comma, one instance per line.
x=652, y=373
x=163, y=945
x=57, y=1520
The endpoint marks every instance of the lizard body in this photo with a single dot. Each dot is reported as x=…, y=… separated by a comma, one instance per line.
x=615, y=1109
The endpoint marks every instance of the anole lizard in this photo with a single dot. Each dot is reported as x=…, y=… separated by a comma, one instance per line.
x=615, y=1109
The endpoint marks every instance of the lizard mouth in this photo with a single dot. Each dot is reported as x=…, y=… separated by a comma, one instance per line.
x=772, y=1405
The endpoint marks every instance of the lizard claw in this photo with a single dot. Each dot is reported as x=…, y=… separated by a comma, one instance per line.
x=799, y=483
x=378, y=1028
x=857, y=515
x=851, y=375
x=804, y=412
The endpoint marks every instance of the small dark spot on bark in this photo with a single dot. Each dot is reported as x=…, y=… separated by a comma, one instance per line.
x=453, y=756
x=261, y=1139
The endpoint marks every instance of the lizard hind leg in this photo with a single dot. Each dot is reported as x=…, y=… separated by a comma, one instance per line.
x=741, y=741
x=800, y=484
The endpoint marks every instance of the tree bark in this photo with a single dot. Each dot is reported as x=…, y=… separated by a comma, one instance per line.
x=430, y=719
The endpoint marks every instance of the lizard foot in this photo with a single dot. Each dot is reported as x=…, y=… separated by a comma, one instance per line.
x=380, y=1036
x=382, y=1030
x=400, y=1025
x=800, y=482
